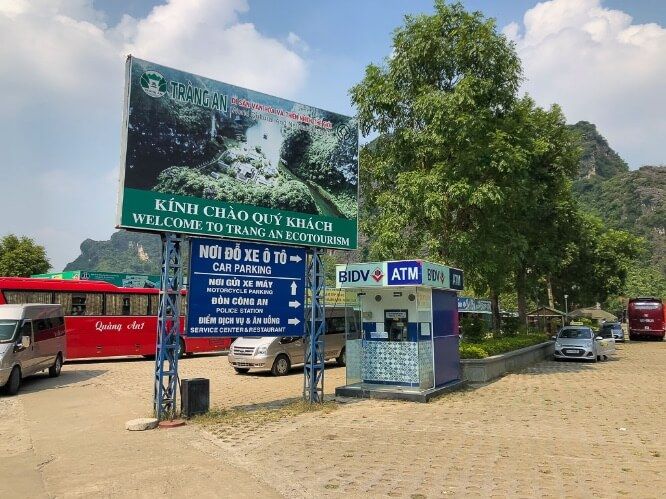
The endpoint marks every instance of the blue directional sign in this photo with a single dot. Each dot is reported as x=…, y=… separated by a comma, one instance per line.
x=245, y=289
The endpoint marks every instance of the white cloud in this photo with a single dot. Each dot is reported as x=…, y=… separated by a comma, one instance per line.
x=601, y=68
x=61, y=78
x=297, y=42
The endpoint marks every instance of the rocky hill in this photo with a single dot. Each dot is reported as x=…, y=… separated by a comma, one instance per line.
x=124, y=252
x=634, y=201
x=598, y=159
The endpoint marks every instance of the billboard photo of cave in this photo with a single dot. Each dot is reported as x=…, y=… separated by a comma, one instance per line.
x=205, y=157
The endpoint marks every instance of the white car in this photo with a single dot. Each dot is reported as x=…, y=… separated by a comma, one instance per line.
x=580, y=342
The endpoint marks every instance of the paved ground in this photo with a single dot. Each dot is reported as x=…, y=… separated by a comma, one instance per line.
x=557, y=429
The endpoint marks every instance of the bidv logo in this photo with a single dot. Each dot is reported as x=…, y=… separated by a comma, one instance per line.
x=350, y=276
x=153, y=83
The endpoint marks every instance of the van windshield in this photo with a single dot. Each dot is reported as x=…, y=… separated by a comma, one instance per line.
x=7, y=330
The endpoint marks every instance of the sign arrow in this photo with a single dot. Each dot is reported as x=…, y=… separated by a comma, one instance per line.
x=293, y=322
x=295, y=258
x=294, y=304
x=293, y=288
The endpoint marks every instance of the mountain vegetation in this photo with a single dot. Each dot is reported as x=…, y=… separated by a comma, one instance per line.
x=126, y=252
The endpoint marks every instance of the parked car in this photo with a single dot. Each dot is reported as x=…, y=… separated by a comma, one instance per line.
x=614, y=329
x=32, y=339
x=580, y=342
x=279, y=354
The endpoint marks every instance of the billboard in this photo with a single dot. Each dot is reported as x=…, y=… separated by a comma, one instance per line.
x=204, y=157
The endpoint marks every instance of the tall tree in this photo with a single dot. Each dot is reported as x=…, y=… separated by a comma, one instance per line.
x=21, y=257
x=444, y=162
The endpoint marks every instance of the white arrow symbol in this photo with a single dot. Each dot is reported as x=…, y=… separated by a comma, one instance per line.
x=293, y=288
x=295, y=258
x=294, y=322
x=295, y=304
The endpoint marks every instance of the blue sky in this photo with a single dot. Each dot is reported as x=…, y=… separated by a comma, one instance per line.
x=62, y=69
x=343, y=36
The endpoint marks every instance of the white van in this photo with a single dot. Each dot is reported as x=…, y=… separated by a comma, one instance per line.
x=279, y=354
x=32, y=339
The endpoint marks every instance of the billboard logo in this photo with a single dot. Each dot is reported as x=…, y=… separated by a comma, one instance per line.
x=346, y=133
x=153, y=83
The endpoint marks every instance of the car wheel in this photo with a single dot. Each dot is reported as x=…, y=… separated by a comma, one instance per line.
x=54, y=370
x=14, y=382
x=281, y=365
x=342, y=358
x=242, y=370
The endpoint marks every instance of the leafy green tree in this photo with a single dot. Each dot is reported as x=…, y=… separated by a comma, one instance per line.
x=444, y=163
x=600, y=262
x=21, y=257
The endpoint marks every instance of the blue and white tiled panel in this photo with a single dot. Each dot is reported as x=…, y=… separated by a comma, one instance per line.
x=394, y=363
x=426, y=368
x=354, y=352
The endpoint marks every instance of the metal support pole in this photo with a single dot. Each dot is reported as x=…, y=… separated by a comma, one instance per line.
x=313, y=383
x=168, y=328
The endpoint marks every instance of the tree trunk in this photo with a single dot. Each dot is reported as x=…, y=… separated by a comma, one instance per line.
x=494, y=299
x=549, y=288
x=521, y=290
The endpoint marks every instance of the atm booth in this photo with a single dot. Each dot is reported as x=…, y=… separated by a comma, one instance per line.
x=406, y=345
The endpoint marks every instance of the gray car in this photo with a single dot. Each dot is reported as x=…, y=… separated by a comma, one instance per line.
x=580, y=342
x=612, y=328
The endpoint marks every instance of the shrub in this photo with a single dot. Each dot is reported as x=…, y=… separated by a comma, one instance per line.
x=510, y=326
x=468, y=351
x=473, y=328
x=496, y=346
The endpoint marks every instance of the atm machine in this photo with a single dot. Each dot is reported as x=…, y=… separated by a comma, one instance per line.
x=408, y=346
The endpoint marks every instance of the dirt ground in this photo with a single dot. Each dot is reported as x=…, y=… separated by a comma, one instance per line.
x=554, y=430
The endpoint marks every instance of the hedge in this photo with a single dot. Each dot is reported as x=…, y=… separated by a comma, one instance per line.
x=495, y=346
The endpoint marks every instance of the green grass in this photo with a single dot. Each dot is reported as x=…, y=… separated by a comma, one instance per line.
x=262, y=416
x=495, y=346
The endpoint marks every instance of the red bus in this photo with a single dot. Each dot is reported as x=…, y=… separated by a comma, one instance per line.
x=646, y=318
x=104, y=320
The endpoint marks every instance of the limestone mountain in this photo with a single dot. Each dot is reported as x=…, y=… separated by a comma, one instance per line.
x=598, y=159
x=126, y=252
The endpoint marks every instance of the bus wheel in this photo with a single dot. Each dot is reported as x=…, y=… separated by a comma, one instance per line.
x=14, y=382
x=181, y=348
x=54, y=370
x=281, y=365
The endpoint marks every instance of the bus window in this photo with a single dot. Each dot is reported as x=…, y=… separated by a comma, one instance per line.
x=126, y=304
x=87, y=304
x=153, y=304
x=21, y=297
x=78, y=305
x=64, y=299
